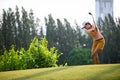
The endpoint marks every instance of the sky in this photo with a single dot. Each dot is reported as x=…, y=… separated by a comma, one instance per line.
x=72, y=10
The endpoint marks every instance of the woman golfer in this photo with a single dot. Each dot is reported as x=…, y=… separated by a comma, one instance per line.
x=98, y=40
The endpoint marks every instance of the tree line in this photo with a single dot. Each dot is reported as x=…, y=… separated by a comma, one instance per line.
x=19, y=29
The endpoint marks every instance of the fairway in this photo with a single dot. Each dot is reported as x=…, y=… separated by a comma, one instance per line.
x=81, y=72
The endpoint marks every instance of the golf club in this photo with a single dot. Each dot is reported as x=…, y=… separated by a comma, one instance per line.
x=92, y=17
x=93, y=20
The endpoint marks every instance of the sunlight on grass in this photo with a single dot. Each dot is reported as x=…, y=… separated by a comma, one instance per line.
x=85, y=72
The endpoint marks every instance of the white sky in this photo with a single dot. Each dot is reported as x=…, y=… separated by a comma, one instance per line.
x=72, y=10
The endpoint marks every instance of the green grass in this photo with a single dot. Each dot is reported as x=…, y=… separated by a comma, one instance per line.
x=83, y=72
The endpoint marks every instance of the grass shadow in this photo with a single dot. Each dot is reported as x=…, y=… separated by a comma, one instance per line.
x=41, y=73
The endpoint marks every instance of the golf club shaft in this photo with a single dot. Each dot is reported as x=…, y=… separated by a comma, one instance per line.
x=93, y=20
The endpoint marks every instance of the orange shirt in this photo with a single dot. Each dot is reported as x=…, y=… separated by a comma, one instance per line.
x=95, y=34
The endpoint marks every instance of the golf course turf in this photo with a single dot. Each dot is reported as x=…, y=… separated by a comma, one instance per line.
x=81, y=72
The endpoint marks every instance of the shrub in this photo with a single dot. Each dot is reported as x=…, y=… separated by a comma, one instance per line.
x=36, y=56
x=79, y=56
x=41, y=55
x=11, y=60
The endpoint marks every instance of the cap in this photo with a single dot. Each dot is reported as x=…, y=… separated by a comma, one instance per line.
x=84, y=23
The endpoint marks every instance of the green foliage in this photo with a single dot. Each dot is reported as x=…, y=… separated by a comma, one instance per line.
x=79, y=56
x=42, y=56
x=36, y=56
x=12, y=60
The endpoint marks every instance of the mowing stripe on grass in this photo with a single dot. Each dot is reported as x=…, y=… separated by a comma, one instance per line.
x=82, y=72
x=41, y=73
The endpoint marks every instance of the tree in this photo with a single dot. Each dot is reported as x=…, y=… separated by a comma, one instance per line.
x=8, y=28
x=69, y=40
x=18, y=39
x=1, y=37
x=50, y=31
x=25, y=29
x=33, y=27
x=4, y=29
